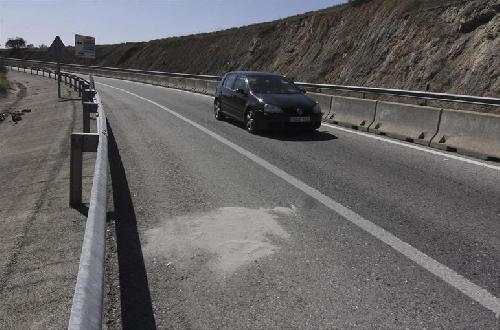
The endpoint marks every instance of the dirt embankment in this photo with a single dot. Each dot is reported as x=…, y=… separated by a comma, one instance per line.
x=437, y=45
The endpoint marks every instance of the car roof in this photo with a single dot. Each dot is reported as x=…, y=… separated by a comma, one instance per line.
x=254, y=73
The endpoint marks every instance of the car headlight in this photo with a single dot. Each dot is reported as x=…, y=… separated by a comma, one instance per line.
x=317, y=108
x=269, y=108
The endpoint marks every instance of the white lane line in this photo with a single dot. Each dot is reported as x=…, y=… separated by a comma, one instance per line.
x=416, y=147
x=368, y=135
x=459, y=282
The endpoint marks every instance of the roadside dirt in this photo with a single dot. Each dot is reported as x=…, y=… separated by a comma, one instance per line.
x=14, y=94
x=40, y=236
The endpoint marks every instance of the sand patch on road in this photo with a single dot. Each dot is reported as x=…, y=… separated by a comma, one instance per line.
x=232, y=236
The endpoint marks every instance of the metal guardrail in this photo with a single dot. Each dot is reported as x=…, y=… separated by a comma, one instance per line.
x=77, y=83
x=87, y=307
x=366, y=90
x=408, y=93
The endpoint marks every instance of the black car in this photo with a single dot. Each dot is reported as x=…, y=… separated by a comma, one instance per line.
x=265, y=101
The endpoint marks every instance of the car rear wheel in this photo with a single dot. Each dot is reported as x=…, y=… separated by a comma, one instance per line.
x=218, y=114
x=250, y=123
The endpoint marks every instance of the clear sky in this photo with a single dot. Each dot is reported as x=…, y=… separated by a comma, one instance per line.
x=114, y=21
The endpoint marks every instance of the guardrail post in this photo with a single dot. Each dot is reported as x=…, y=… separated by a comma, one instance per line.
x=80, y=143
x=75, y=170
x=88, y=108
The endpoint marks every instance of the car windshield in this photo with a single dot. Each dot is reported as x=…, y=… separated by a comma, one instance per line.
x=272, y=85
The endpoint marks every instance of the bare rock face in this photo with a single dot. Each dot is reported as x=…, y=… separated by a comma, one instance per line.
x=440, y=45
x=477, y=14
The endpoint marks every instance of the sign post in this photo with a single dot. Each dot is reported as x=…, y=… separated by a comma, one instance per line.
x=57, y=52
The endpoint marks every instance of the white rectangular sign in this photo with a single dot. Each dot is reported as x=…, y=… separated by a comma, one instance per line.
x=84, y=46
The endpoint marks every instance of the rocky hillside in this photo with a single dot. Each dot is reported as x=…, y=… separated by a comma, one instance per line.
x=437, y=45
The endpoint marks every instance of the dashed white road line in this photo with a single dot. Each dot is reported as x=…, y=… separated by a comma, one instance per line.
x=446, y=274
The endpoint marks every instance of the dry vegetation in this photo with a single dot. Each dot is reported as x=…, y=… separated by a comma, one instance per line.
x=436, y=45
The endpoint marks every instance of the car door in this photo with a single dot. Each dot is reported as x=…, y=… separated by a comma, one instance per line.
x=240, y=97
x=227, y=94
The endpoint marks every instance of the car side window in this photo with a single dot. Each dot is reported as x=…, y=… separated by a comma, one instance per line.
x=241, y=83
x=229, y=82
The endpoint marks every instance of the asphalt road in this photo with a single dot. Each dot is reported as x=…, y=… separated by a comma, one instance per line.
x=330, y=230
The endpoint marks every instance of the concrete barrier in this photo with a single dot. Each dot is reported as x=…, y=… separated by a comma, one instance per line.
x=156, y=80
x=211, y=86
x=352, y=112
x=469, y=133
x=325, y=102
x=200, y=86
x=190, y=84
x=149, y=79
x=135, y=77
x=143, y=78
x=132, y=76
x=177, y=82
x=163, y=81
x=411, y=123
x=121, y=75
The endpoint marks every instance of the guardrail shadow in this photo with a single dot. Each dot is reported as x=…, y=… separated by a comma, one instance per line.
x=136, y=305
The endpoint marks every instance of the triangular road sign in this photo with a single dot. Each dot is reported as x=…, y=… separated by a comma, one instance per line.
x=57, y=51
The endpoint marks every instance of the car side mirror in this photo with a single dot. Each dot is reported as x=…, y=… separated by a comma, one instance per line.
x=241, y=91
x=302, y=90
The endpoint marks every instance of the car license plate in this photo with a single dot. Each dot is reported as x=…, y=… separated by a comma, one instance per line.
x=300, y=119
